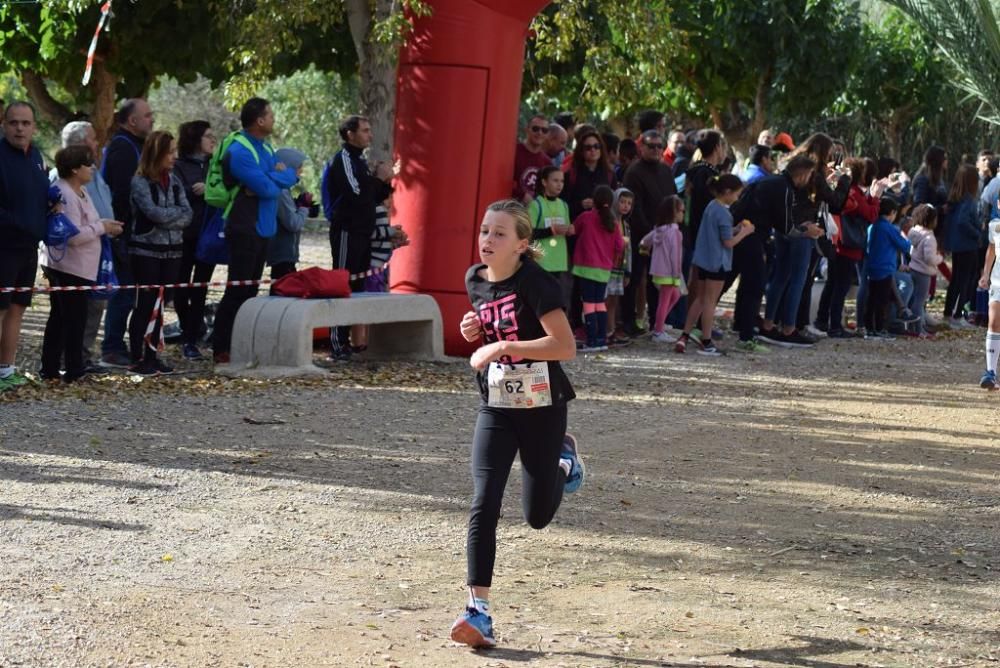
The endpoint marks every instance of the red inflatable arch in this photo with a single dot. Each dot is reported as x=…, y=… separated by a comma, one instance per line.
x=459, y=88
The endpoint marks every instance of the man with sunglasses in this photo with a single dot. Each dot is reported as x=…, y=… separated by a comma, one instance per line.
x=651, y=180
x=530, y=157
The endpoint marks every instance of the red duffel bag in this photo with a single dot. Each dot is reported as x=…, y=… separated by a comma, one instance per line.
x=313, y=283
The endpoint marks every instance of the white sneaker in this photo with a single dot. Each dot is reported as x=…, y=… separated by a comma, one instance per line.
x=958, y=323
x=815, y=332
x=663, y=337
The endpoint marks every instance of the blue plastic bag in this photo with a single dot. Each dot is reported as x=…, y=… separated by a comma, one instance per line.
x=59, y=229
x=106, y=275
x=212, y=248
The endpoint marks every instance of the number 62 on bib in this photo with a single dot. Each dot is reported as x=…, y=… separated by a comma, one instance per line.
x=519, y=385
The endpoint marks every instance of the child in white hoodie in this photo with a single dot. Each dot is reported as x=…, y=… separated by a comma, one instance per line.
x=924, y=259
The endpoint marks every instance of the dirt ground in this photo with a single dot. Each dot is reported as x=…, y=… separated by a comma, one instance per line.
x=825, y=509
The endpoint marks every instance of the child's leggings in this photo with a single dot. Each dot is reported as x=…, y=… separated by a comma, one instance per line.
x=536, y=434
x=669, y=296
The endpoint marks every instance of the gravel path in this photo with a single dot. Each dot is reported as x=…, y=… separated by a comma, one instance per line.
x=824, y=509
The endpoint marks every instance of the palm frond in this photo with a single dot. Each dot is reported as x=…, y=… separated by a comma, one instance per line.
x=967, y=33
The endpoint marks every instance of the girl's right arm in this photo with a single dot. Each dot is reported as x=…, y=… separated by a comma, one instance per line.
x=991, y=256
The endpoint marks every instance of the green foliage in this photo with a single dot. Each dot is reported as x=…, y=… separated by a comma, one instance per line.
x=600, y=56
x=308, y=107
x=968, y=34
x=718, y=59
x=175, y=103
x=282, y=36
x=146, y=39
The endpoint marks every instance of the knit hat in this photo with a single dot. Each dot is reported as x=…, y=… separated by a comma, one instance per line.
x=783, y=142
x=290, y=157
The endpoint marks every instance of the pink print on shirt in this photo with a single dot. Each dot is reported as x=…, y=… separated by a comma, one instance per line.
x=499, y=320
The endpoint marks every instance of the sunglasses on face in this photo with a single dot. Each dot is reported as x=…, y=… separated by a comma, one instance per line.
x=539, y=128
x=591, y=147
x=656, y=146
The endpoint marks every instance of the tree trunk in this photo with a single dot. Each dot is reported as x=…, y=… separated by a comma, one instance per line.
x=378, y=72
x=105, y=85
x=51, y=109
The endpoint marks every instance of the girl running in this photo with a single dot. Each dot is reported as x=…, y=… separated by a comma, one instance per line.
x=666, y=243
x=518, y=312
x=598, y=245
x=990, y=280
x=713, y=259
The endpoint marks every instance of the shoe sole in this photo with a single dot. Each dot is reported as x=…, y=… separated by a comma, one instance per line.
x=705, y=353
x=775, y=342
x=465, y=633
x=987, y=385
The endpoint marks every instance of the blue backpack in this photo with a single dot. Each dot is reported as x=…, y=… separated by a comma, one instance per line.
x=329, y=206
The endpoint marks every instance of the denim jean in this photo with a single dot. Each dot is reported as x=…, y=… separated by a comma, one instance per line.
x=116, y=315
x=861, y=301
x=918, y=299
x=904, y=286
x=791, y=262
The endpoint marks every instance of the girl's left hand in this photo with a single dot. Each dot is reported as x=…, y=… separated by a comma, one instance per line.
x=482, y=357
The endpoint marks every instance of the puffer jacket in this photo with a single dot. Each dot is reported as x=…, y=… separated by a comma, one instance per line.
x=160, y=216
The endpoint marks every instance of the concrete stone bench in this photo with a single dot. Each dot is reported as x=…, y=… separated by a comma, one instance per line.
x=273, y=336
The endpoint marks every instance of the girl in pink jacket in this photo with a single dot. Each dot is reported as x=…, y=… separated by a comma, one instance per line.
x=664, y=242
x=599, y=246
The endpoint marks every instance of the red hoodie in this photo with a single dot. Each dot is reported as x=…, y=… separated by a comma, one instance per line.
x=863, y=206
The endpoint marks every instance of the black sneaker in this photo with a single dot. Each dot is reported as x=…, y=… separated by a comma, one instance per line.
x=796, y=340
x=144, y=369
x=774, y=337
x=162, y=368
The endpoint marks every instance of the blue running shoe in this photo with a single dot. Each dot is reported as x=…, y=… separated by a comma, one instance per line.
x=989, y=381
x=577, y=469
x=473, y=628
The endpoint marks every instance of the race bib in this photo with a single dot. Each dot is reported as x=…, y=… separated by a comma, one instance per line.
x=551, y=222
x=519, y=385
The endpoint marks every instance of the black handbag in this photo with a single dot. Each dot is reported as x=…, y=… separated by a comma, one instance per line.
x=853, y=232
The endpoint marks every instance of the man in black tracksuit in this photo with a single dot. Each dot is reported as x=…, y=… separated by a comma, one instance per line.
x=354, y=192
x=768, y=204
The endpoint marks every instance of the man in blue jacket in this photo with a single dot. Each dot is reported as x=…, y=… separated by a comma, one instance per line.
x=253, y=218
x=24, y=185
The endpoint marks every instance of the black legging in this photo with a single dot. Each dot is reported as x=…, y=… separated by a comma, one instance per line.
x=189, y=303
x=148, y=271
x=880, y=296
x=64, y=328
x=501, y=433
x=963, y=271
x=749, y=264
x=839, y=278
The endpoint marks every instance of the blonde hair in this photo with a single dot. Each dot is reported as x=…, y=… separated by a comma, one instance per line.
x=522, y=223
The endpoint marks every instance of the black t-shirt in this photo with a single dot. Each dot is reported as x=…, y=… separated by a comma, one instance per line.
x=511, y=310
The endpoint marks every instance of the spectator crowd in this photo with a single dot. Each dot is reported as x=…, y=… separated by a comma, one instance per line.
x=644, y=234
x=152, y=208
x=691, y=220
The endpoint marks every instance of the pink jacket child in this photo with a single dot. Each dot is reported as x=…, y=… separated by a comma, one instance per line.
x=664, y=243
x=597, y=251
x=666, y=271
x=597, y=248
